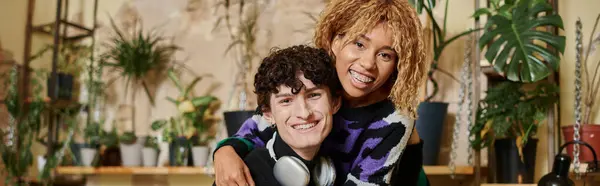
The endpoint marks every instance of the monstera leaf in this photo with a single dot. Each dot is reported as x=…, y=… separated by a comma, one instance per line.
x=517, y=48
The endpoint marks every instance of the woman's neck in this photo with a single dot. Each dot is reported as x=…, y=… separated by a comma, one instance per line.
x=371, y=98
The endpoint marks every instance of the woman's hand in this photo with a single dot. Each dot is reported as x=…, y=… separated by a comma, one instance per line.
x=414, y=137
x=230, y=169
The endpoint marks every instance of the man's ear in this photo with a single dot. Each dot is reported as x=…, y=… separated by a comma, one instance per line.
x=268, y=116
x=337, y=104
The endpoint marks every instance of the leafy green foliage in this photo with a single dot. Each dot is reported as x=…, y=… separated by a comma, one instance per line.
x=24, y=126
x=128, y=138
x=517, y=46
x=510, y=112
x=151, y=142
x=137, y=56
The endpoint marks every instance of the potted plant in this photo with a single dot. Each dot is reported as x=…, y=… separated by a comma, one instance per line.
x=23, y=126
x=507, y=118
x=431, y=114
x=92, y=135
x=205, y=132
x=178, y=129
x=150, y=151
x=243, y=43
x=129, y=144
x=587, y=94
x=111, y=155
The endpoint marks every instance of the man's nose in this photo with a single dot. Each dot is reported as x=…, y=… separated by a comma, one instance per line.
x=302, y=110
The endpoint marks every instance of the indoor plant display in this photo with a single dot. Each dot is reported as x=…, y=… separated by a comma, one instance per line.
x=111, y=155
x=431, y=114
x=150, y=151
x=588, y=91
x=205, y=132
x=190, y=120
x=508, y=118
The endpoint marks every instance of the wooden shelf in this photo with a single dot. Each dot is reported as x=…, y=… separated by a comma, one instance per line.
x=429, y=170
x=509, y=184
x=136, y=170
x=445, y=170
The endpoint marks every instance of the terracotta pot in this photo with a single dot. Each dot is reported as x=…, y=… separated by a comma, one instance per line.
x=590, y=133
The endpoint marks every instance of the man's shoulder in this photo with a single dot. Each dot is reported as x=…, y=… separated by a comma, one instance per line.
x=261, y=165
x=259, y=156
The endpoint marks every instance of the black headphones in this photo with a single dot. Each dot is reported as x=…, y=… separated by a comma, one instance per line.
x=291, y=171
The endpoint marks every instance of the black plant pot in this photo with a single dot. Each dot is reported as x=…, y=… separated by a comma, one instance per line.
x=111, y=157
x=181, y=145
x=509, y=167
x=430, y=125
x=64, y=86
x=235, y=119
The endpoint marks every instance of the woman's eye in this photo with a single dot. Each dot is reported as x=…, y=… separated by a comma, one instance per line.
x=359, y=44
x=386, y=57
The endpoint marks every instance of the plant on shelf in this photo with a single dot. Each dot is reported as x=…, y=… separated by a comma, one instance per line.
x=509, y=112
x=515, y=38
x=190, y=119
x=150, y=151
x=24, y=125
x=140, y=58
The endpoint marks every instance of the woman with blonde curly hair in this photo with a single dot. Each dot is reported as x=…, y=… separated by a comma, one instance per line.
x=379, y=58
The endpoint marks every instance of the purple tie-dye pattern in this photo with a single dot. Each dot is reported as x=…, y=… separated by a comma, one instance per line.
x=370, y=166
x=248, y=131
x=379, y=124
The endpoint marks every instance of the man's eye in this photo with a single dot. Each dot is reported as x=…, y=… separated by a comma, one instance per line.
x=285, y=101
x=314, y=95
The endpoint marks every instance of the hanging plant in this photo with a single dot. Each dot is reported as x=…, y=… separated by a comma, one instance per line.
x=141, y=58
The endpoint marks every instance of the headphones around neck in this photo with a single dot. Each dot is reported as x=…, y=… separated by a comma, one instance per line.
x=291, y=171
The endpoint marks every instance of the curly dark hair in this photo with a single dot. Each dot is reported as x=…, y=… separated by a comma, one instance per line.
x=281, y=67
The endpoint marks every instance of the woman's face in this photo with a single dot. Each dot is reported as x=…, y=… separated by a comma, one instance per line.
x=365, y=64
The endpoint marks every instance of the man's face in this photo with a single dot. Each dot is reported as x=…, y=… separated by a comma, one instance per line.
x=304, y=119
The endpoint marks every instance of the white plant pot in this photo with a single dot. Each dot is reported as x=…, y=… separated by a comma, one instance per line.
x=87, y=156
x=149, y=155
x=131, y=154
x=200, y=155
x=41, y=162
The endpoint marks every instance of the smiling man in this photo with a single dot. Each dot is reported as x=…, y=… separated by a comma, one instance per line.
x=297, y=91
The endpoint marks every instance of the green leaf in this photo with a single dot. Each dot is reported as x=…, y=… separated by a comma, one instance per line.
x=190, y=87
x=158, y=124
x=203, y=101
x=481, y=11
x=513, y=51
x=175, y=80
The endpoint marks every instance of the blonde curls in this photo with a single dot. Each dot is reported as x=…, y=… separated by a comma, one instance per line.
x=355, y=17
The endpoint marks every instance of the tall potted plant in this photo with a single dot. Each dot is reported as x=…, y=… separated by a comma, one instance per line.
x=508, y=118
x=431, y=114
x=243, y=47
x=587, y=95
x=179, y=129
x=141, y=58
